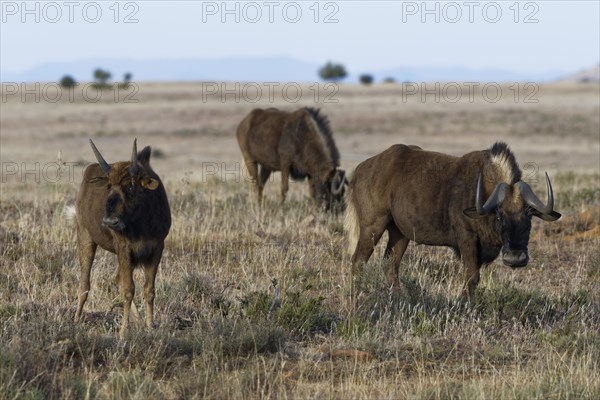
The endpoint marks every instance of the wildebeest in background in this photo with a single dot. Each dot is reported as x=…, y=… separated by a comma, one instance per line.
x=123, y=208
x=476, y=204
x=297, y=143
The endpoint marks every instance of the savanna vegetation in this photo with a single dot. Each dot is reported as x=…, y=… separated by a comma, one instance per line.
x=255, y=303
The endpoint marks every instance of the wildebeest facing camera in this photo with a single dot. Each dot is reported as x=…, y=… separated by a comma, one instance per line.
x=123, y=208
x=480, y=213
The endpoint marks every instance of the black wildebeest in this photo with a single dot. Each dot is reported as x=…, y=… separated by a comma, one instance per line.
x=476, y=204
x=122, y=208
x=299, y=144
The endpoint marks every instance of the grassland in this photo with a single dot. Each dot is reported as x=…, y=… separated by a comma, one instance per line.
x=255, y=303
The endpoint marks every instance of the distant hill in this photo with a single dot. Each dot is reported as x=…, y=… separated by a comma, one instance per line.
x=586, y=75
x=260, y=69
x=225, y=69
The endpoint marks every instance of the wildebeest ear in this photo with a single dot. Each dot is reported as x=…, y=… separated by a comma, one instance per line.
x=553, y=216
x=93, y=175
x=144, y=155
x=471, y=212
x=149, y=183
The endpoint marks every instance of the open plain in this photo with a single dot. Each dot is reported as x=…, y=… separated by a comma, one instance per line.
x=255, y=303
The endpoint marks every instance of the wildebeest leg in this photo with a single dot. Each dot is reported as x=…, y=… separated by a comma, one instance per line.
x=285, y=177
x=87, y=251
x=126, y=288
x=264, y=176
x=252, y=167
x=150, y=271
x=395, y=249
x=311, y=188
x=368, y=237
x=471, y=267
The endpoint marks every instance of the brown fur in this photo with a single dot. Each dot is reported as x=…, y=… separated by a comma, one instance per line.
x=426, y=196
x=139, y=204
x=297, y=143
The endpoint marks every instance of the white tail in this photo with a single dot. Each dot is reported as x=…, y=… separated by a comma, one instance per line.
x=351, y=224
x=70, y=213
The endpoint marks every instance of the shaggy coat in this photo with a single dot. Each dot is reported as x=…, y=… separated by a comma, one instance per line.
x=437, y=199
x=299, y=144
x=122, y=208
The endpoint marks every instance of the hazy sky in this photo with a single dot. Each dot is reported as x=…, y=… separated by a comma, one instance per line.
x=365, y=35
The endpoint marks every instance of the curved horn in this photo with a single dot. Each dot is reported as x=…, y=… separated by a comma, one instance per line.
x=103, y=164
x=533, y=201
x=337, y=190
x=497, y=197
x=133, y=168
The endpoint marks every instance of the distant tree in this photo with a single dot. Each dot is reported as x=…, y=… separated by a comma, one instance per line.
x=67, y=81
x=366, y=79
x=101, y=77
x=126, y=80
x=389, y=79
x=332, y=72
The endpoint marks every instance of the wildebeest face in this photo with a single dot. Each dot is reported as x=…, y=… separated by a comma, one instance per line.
x=514, y=228
x=513, y=207
x=127, y=183
x=334, y=188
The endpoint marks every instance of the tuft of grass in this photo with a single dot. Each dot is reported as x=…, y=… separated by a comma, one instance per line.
x=129, y=385
x=299, y=313
x=303, y=315
x=530, y=307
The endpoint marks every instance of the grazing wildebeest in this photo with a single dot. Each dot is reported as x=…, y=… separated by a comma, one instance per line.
x=123, y=208
x=299, y=144
x=476, y=204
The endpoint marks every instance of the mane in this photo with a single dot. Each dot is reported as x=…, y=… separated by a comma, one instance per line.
x=504, y=160
x=325, y=130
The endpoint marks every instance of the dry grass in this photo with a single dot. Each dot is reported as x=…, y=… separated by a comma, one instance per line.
x=532, y=333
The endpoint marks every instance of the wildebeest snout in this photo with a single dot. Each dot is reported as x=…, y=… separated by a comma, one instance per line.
x=111, y=222
x=111, y=218
x=515, y=258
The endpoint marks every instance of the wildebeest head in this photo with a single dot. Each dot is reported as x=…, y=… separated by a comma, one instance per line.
x=513, y=207
x=334, y=187
x=127, y=183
